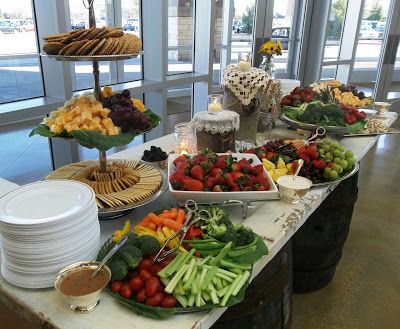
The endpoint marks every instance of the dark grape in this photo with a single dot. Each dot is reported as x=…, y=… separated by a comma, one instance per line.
x=126, y=94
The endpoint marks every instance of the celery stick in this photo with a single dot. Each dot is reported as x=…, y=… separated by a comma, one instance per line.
x=217, y=283
x=202, y=301
x=198, y=299
x=222, y=271
x=224, y=283
x=230, y=290
x=163, y=272
x=213, y=295
x=211, y=273
x=182, y=300
x=223, y=276
x=182, y=261
x=236, y=271
x=195, y=283
x=202, y=277
x=222, y=292
x=191, y=300
x=205, y=260
x=189, y=282
x=224, y=251
x=179, y=288
x=242, y=281
x=205, y=296
x=168, y=289
x=232, y=265
x=190, y=269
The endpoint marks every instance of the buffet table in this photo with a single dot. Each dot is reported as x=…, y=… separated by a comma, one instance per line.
x=275, y=221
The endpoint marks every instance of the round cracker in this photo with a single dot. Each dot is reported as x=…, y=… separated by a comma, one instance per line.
x=53, y=48
x=74, y=47
x=95, y=50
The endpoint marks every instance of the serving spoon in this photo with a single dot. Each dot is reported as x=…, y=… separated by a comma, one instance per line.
x=299, y=165
x=110, y=254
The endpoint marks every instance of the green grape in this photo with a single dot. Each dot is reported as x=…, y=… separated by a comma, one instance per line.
x=351, y=162
x=341, y=155
x=321, y=152
x=335, y=144
x=333, y=174
x=338, y=168
x=327, y=141
x=341, y=148
x=327, y=170
x=344, y=164
x=337, y=160
x=348, y=154
x=326, y=175
x=326, y=148
x=337, y=152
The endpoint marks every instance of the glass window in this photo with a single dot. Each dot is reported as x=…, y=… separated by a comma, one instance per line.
x=369, y=46
x=219, y=45
x=328, y=72
x=282, y=30
x=179, y=104
x=20, y=71
x=180, y=36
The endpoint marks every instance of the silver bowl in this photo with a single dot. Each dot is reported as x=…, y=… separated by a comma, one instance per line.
x=289, y=192
x=84, y=303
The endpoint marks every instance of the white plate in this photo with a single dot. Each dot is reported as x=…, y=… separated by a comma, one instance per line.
x=207, y=197
x=44, y=202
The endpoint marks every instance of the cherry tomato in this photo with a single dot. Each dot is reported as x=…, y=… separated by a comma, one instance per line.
x=141, y=296
x=155, y=268
x=145, y=264
x=153, y=286
x=116, y=286
x=132, y=274
x=197, y=254
x=145, y=274
x=155, y=300
x=126, y=291
x=136, y=283
x=168, y=301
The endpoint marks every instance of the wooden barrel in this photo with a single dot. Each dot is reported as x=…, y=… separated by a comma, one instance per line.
x=268, y=300
x=318, y=244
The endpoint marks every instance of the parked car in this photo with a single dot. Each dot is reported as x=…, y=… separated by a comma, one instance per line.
x=6, y=27
x=129, y=27
x=368, y=33
x=281, y=33
x=381, y=31
x=26, y=26
x=75, y=25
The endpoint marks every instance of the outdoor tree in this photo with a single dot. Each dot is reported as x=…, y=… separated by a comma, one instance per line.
x=247, y=19
x=335, y=26
x=376, y=13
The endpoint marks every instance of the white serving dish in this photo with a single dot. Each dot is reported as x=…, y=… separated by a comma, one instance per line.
x=214, y=197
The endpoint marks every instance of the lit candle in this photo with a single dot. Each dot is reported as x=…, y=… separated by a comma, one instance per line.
x=214, y=103
x=244, y=63
x=185, y=139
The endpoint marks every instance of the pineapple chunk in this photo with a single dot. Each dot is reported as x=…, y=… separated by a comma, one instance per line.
x=279, y=172
x=113, y=131
x=56, y=129
x=86, y=115
x=60, y=121
x=281, y=164
x=268, y=165
x=107, y=123
x=271, y=173
x=84, y=127
x=104, y=113
x=289, y=167
x=96, y=119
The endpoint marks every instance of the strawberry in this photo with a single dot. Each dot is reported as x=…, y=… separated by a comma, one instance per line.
x=176, y=180
x=246, y=188
x=221, y=163
x=236, y=167
x=308, y=99
x=191, y=184
x=197, y=172
x=219, y=179
x=197, y=159
x=286, y=102
x=305, y=157
x=215, y=171
x=259, y=187
x=218, y=188
x=319, y=164
x=236, y=175
x=260, y=179
x=229, y=179
x=181, y=166
x=180, y=158
x=257, y=169
x=210, y=182
x=235, y=188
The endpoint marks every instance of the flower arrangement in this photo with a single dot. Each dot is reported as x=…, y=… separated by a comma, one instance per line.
x=268, y=50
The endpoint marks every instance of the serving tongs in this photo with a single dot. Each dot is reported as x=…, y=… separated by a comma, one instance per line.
x=319, y=132
x=193, y=215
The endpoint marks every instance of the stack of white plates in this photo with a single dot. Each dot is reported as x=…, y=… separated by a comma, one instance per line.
x=44, y=227
x=287, y=85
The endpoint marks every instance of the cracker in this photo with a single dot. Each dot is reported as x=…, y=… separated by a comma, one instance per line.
x=97, y=47
x=74, y=47
x=74, y=35
x=84, y=34
x=87, y=47
x=53, y=48
x=56, y=36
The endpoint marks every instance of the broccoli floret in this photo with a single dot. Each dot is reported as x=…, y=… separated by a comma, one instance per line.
x=104, y=250
x=215, y=230
x=229, y=236
x=149, y=245
x=119, y=269
x=133, y=240
x=244, y=235
x=131, y=255
x=218, y=213
x=323, y=114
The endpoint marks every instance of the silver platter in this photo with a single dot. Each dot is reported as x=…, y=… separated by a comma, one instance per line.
x=392, y=131
x=348, y=175
x=309, y=126
x=95, y=58
x=114, y=212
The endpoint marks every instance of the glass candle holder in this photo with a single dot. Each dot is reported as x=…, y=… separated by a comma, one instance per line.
x=185, y=138
x=215, y=103
x=244, y=61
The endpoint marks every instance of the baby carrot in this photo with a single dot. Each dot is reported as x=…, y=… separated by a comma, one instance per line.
x=181, y=216
x=155, y=219
x=168, y=216
x=168, y=222
x=151, y=226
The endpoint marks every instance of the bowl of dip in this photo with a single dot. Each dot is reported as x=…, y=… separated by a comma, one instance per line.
x=292, y=190
x=77, y=287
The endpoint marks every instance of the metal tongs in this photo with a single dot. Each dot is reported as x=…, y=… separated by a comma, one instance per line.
x=319, y=132
x=193, y=215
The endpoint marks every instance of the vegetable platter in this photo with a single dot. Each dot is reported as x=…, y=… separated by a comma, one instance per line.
x=325, y=160
x=211, y=269
x=211, y=177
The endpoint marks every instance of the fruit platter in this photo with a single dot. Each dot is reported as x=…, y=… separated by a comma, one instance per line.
x=325, y=160
x=210, y=269
x=306, y=108
x=219, y=177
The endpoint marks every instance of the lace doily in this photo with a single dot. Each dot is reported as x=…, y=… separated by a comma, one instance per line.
x=221, y=123
x=244, y=84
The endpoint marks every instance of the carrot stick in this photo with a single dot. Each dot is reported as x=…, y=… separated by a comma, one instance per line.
x=181, y=216
x=168, y=216
x=166, y=211
x=144, y=221
x=155, y=219
x=172, y=224
x=151, y=226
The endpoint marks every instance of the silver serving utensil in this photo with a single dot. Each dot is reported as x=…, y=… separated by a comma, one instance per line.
x=110, y=254
x=299, y=165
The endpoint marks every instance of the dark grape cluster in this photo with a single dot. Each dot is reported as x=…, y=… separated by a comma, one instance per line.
x=154, y=154
x=272, y=146
x=124, y=114
x=312, y=173
x=352, y=89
